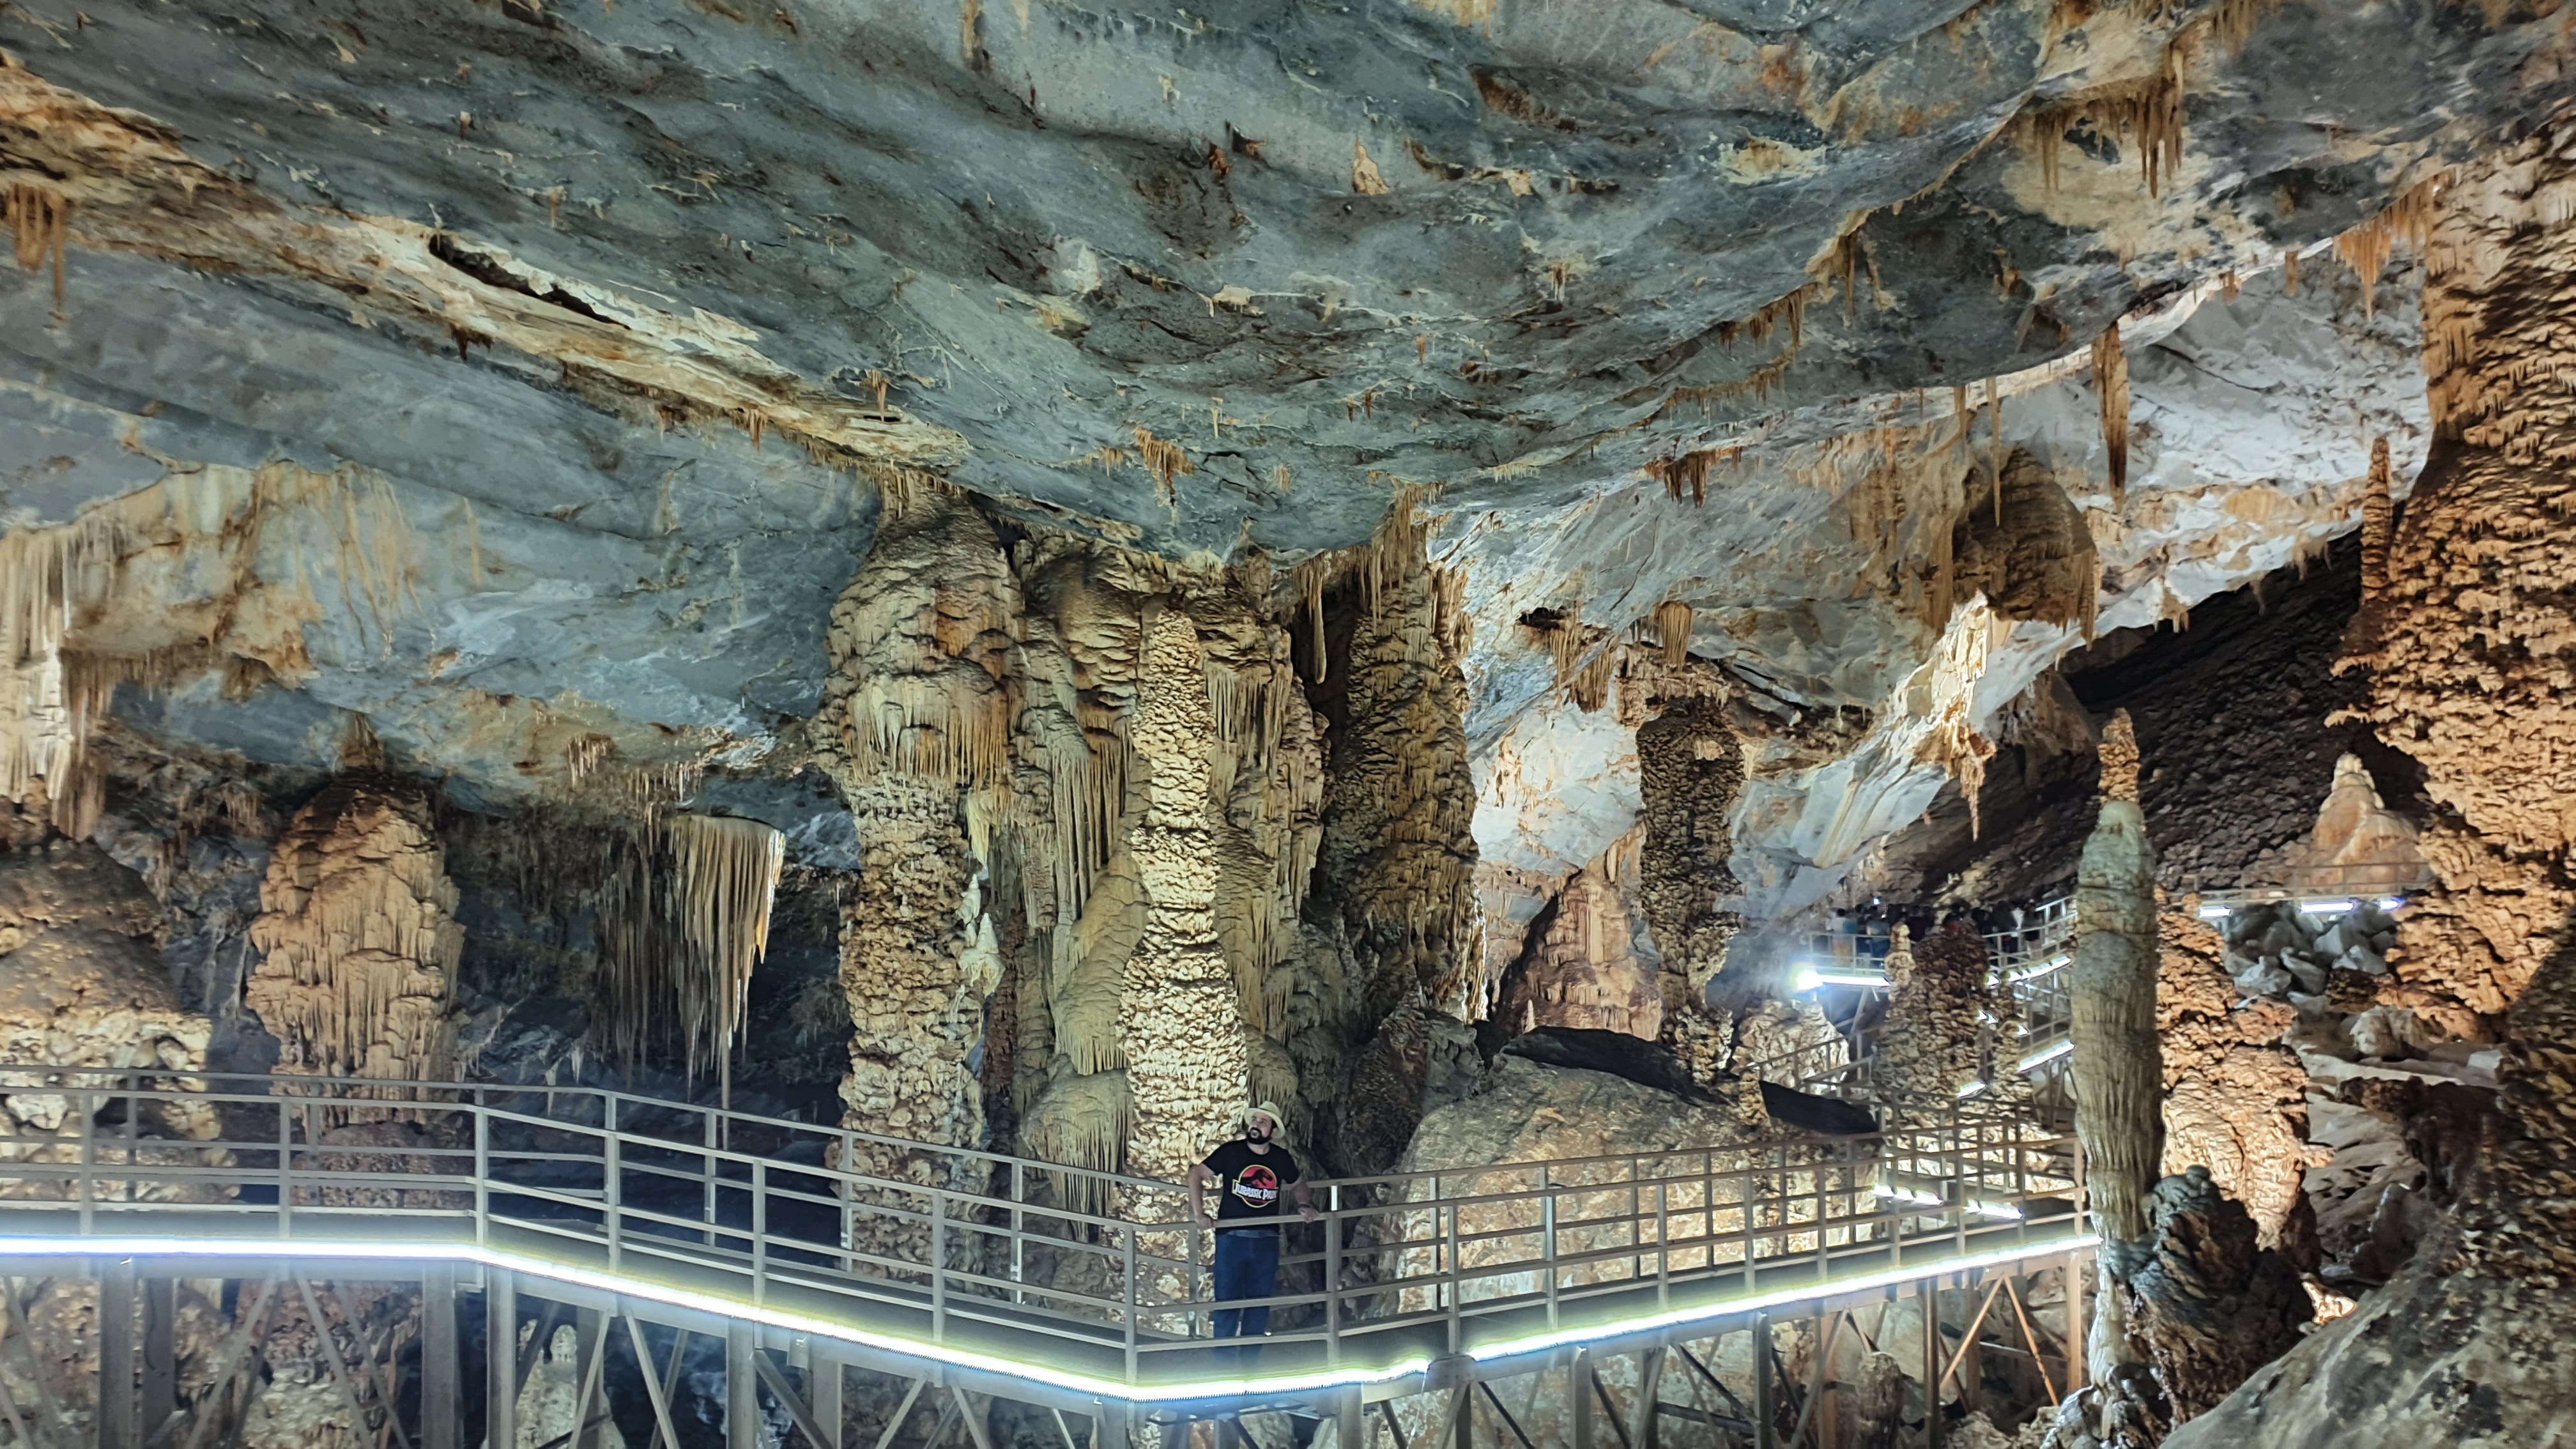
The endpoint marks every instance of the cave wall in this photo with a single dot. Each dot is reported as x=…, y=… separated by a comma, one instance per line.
x=2236, y=707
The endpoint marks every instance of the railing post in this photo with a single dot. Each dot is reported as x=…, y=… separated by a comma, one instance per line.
x=707, y=1140
x=1455, y=1281
x=1547, y=1248
x=614, y=1187
x=1766, y=1418
x=133, y=1110
x=939, y=1260
x=1019, y=1194
x=1130, y=1273
x=285, y=1167
x=1663, y=1245
x=119, y=1414
x=89, y=1158
x=759, y=1231
x=1333, y=1275
x=441, y=1403
x=1744, y=1206
x=500, y=1358
x=849, y=1202
x=482, y=1168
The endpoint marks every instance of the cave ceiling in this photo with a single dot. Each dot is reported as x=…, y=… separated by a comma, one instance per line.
x=620, y=310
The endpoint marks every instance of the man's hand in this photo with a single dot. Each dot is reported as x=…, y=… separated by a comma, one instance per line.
x=1306, y=1210
x=1199, y=1217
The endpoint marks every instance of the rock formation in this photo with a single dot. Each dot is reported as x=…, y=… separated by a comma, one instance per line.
x=2461, y=1347
x=2119, y=1083
x=81, y=984
x=2235, y=1097
x=2208, y=1305
x=359, y=938
x=1943, y=1022
x=916, y=730
x=1690, y=768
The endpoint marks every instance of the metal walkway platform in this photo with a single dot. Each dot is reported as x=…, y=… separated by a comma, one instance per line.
x=971, y=1272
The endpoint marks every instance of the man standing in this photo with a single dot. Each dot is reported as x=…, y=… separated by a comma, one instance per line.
x=1249, y=1173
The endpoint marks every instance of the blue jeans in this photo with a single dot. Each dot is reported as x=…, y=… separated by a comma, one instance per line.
x=1247, y=1266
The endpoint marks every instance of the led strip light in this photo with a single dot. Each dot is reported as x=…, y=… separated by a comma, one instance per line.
x=1093, y=1386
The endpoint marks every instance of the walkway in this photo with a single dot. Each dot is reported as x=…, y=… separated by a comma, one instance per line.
x=957, y=1267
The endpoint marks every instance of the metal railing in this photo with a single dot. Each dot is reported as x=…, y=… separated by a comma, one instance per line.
x=2370, y=880
x=2032, y=962
x=953, y=1248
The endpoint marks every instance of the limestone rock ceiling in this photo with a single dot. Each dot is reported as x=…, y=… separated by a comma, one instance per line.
x=608, y=303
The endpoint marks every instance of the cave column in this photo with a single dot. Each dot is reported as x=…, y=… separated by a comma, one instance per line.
x=1690, y=770
x=1394, y=889
x=1179, y=1017
x=915, y=730
x=2464, y=634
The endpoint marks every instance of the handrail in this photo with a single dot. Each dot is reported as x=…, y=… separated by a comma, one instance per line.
x=1404, y=1264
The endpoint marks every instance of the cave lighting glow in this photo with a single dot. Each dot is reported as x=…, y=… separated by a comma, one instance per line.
x=1035, y=1372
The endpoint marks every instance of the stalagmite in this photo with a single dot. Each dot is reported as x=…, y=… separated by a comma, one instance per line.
x=360, y=940
x=1938, y=1008
x=1393, y=909
x=1690, y=768
x=2117, y=1064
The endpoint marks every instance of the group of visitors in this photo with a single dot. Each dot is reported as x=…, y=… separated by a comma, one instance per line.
x=1865, y=933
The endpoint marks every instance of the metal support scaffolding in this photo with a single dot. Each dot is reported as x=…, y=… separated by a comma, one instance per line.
x=500, y=1359
x=442, y=1400
x=120, y=1412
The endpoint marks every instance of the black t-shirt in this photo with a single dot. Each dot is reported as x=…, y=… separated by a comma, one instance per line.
x=1249, y=1183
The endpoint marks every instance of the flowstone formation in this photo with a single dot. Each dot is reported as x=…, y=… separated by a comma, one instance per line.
x=359, y=940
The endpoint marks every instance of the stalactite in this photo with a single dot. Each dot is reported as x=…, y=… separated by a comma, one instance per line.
x=1673, y=631
x=2111, y=384
x=685, y=920
x=359, y=939
x=2409, y=219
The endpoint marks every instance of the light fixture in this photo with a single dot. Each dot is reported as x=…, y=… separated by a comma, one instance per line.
x=2324, y=908
x=1970, y=1090
x=2215, y=913
x=670, y=1295
x=2390, y=903
x=1811, y=979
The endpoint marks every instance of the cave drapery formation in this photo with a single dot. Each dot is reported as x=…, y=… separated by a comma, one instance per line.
x=1022, y=577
